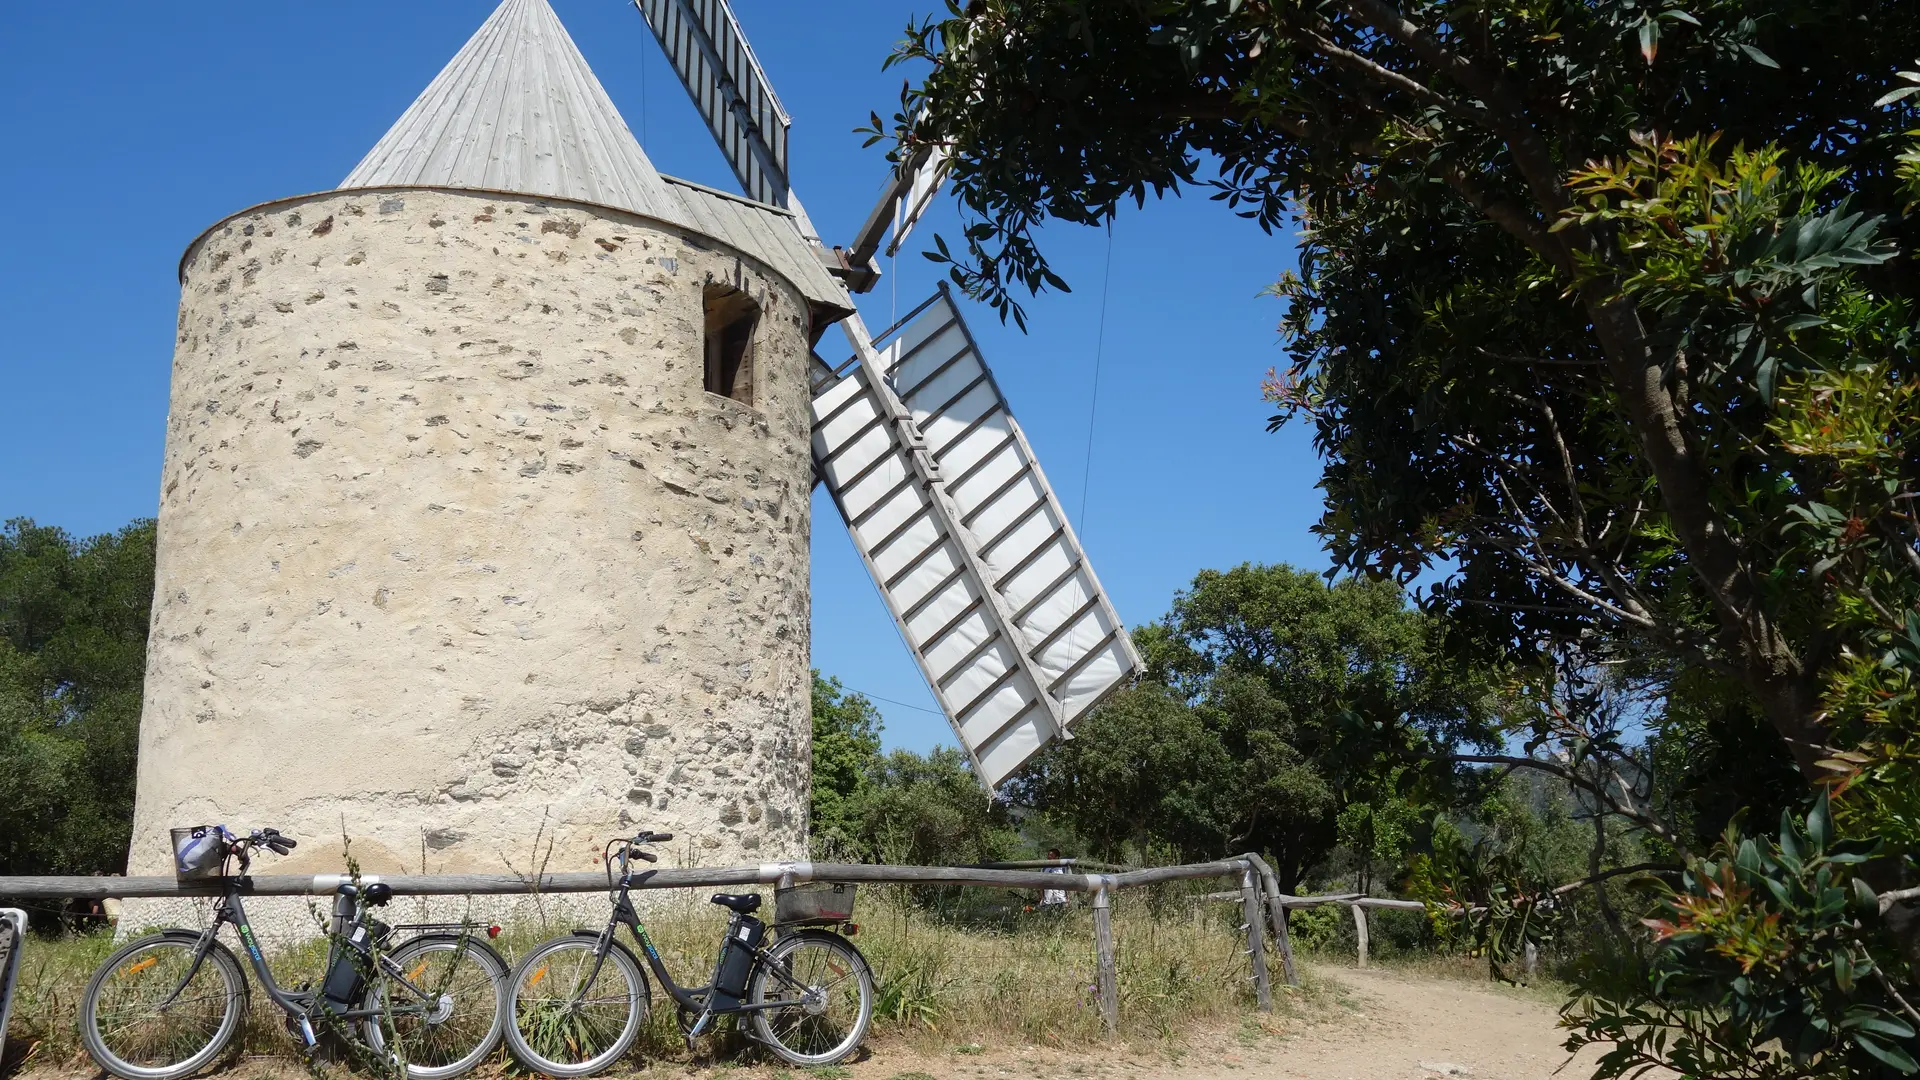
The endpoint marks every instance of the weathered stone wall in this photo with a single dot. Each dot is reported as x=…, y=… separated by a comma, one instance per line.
x=455, y=549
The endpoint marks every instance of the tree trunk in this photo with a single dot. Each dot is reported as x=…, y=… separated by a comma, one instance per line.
x=1594, y=859
x=1764, y=660
x=1787, y=694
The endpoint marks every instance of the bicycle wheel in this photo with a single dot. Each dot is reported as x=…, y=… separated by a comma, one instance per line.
x=571, y=1015
x=830, y=990
x=449, y=1012
x=149, y=1014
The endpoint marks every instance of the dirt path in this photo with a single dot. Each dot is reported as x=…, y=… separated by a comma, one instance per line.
x=1385, y=1026
x=1370, y=1025
x=1409, y=1026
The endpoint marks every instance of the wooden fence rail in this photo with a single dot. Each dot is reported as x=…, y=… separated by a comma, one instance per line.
x=1278, y=902
x=70, y=888
x=1254, y=878
x=1357, y=904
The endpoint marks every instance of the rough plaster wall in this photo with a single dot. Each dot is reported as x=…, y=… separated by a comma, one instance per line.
x=455, y=550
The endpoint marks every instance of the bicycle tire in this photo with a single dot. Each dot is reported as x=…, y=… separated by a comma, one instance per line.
x=169, y=954
x=799, y=1034
x=546, y=976
x=444, y=1044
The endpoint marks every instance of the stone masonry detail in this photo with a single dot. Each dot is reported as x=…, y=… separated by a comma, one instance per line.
x=456, y=551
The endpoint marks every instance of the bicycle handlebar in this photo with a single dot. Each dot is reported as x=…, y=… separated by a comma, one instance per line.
x=269, y=838
x=630, y=849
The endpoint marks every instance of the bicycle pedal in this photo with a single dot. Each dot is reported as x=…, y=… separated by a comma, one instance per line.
x=301, y=1029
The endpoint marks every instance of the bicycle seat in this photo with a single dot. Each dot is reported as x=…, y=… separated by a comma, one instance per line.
x=745, y=904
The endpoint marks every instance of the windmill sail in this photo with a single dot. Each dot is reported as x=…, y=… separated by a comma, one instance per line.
x=918, y=197
x=938, y=487
x=966, y=541
x=704, y=43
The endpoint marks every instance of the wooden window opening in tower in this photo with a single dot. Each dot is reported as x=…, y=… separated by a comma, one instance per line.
x=731, y=318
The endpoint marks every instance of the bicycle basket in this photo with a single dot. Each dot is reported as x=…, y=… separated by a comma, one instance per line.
x=199, y=851
x=815, y=902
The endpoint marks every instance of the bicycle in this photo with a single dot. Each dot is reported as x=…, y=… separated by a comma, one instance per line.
x=165, y=1005
x=579, y=1000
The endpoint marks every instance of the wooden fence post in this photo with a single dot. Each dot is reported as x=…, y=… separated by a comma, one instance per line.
x=1256, y=938
x=1277, y=911
x=1109, y=977
x=1360, y=929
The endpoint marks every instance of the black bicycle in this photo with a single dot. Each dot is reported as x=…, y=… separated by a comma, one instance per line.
x=164, y=1006
x=580, y=999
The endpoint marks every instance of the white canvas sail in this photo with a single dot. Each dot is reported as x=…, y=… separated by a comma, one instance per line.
x=966, y=541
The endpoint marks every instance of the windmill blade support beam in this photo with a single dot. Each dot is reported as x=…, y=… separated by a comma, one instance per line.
x=866, y=243
x=909, y=438
x=717, y=66
x=965, y=540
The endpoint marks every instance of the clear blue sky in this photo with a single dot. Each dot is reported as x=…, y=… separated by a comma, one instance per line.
x=133, y=126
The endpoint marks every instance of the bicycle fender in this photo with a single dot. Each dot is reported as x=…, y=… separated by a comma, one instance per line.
x=454, y=939
x=848, y=942
x=646, y=984
x=814, y=932
x=216, y=945
x=638, y=964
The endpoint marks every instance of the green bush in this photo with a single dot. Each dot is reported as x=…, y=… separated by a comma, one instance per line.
x=1770, y=962
x=1326, y=928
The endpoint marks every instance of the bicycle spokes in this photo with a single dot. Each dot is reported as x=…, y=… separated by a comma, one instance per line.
x=572, y=1007
x=158, y=1005
x=443, y=1008
x=821, y=1001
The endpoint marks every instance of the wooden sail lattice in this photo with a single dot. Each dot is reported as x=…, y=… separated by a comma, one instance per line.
x=966, y=541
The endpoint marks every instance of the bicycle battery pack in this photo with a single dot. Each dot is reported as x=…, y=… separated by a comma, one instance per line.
x=736, y=962
x=346, y=972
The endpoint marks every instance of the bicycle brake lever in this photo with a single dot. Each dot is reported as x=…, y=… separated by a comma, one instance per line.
x=647, y=855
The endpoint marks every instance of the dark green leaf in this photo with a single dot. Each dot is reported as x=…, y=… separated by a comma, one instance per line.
x=1820, y=824
x=1892, y=1056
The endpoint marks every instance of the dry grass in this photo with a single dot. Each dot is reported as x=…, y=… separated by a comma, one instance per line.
x=992, y=977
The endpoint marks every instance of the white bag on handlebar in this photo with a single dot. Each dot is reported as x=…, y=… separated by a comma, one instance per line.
x=199, y=851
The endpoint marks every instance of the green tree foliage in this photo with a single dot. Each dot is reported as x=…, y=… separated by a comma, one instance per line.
x=1605, y=308
x=1275, y=708
x=930, y=810
x=1506, y=873
x=1774, y=966
x=1147, y=768
x=1381, y=831
x=846, y=762
x=73, y=632
x=902, y=807
x=1500, y=374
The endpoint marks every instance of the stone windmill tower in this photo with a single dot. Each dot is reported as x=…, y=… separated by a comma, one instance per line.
x=485, y=502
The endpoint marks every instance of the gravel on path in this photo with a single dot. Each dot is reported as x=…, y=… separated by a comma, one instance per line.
x=1386, y=1025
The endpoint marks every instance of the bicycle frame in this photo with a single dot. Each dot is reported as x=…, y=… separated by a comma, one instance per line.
x=297, y=1004
x=692, y=998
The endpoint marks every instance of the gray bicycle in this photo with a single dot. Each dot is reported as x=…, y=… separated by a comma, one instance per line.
x=579, y=1000
x=166, y=1005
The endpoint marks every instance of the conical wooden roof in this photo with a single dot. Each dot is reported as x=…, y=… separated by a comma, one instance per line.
x=519, y=110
